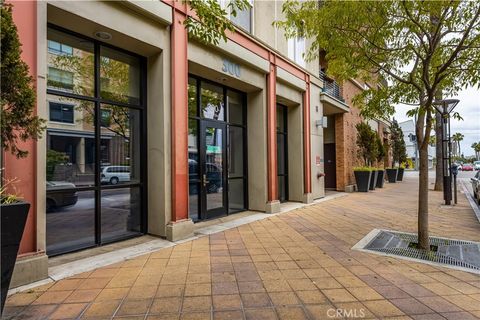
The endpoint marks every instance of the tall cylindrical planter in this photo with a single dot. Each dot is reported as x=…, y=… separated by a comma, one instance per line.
x=400, y=174
x=380, y=178
x=373, y=180
x=392, y=175
x=363, y=180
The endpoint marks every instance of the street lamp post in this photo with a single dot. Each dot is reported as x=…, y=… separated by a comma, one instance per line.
x=445, y=107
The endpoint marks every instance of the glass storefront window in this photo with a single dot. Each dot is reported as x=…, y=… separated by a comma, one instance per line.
x=70, y=63
x=121, y=210
x=71, y=146
x=120, y=152
x=95, y=149
x=236, y=197
x=235, y=107
x=212, y=102
x=70, y=219
x=235, y=152
x=192, y=97
x=119, y=76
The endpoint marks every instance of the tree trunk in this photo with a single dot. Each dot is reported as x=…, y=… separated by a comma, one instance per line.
x=423, y=199
x=438, y=153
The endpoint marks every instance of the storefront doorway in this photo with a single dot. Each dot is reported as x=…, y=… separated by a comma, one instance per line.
x=96, y=152
x=216, y=150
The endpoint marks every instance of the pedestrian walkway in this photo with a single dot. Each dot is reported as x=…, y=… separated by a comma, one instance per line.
x=297, y=265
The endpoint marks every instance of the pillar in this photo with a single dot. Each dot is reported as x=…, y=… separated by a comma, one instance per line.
x=307, y=176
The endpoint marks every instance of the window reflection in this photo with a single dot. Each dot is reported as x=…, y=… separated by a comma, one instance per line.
x=119, y=76
x=70, y=63
x=212, y=102
x=71, y=142
x=70, y=218
x=120, y=213
x=120, y=145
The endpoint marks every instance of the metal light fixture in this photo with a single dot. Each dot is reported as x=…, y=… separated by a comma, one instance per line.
x=102, y=35
x=444, y=107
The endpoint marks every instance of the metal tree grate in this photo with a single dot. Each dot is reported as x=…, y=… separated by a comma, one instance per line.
x=450, y=253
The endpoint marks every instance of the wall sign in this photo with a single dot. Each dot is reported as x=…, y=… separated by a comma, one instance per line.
x=231, y=68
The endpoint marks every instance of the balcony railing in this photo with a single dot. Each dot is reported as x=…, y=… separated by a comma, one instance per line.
x=331, y=87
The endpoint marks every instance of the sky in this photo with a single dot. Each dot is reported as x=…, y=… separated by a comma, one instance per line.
x=469, y=109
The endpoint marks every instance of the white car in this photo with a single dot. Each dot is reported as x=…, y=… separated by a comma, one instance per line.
x=115, y=174
x=476, y=165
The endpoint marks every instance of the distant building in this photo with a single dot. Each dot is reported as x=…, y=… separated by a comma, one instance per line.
x=408, y=129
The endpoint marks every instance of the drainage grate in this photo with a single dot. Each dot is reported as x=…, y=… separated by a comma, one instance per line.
x=459, y=254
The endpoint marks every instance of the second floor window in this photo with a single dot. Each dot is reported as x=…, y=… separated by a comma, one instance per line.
x=59, y=48
x=244, y=17
x=59, y=78
x=60, y=112
x=296, y=50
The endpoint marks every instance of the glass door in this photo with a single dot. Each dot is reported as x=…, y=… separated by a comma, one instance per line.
x=213, y=169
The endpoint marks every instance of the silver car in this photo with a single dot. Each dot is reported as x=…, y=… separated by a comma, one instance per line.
x=115, y=174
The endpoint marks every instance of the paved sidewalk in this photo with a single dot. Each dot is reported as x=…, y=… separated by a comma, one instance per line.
x=297, y=265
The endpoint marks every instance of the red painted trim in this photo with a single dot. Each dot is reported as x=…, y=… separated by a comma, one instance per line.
x=272, y=134
x=25, y=170
x=179, y=117
x=307, y=176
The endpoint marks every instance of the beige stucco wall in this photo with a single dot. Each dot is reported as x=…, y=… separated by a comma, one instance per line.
x=316, y=142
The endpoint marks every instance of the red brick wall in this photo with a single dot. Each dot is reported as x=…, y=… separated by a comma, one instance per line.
x=345, y=138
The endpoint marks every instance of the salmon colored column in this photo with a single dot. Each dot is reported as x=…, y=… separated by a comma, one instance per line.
x=25, y=170
x=179, y=116
x=272, y=178
x=307, y=177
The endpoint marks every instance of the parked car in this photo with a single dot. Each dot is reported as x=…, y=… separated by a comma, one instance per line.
x=115, y=174
x=476, y=165
x=213, y=176
x=476, y=186
x=467, y=167
x=60, y=194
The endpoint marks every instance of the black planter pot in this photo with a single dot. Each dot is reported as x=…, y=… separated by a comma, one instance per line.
x=363, y=180
x=400, y=174
x=373, y=179
x=380, y=178
x=392, y=175
x=14, y=217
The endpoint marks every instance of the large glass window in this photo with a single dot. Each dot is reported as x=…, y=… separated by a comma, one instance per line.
x=282, y=154
x=243, y=19
x=95, y=147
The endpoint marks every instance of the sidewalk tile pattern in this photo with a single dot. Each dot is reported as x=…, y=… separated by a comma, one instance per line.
x=297, y=265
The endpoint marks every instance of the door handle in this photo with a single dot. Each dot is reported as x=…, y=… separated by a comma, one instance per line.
x=205, y=181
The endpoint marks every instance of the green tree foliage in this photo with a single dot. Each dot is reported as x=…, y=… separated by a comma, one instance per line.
x=367, y=143
x=476, y=148
x=18, y=121
x=457, y=137
x=399, y=149
x=382, y=152
x=54, y=158
x=419, y=47
x=211, y=22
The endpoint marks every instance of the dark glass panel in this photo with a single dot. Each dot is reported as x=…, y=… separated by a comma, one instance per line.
x=70, y=219
x=214, y=167
x=120, y=145
x=121, y=213
x=235, y=152
x=71, y=144
x=280, y=118
x=236, y=198
x=70, y=63
x=282, y=192
x=119, y=76
x=235, y=107
x=194, y=193
x=212, y=102
x=281, y=155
